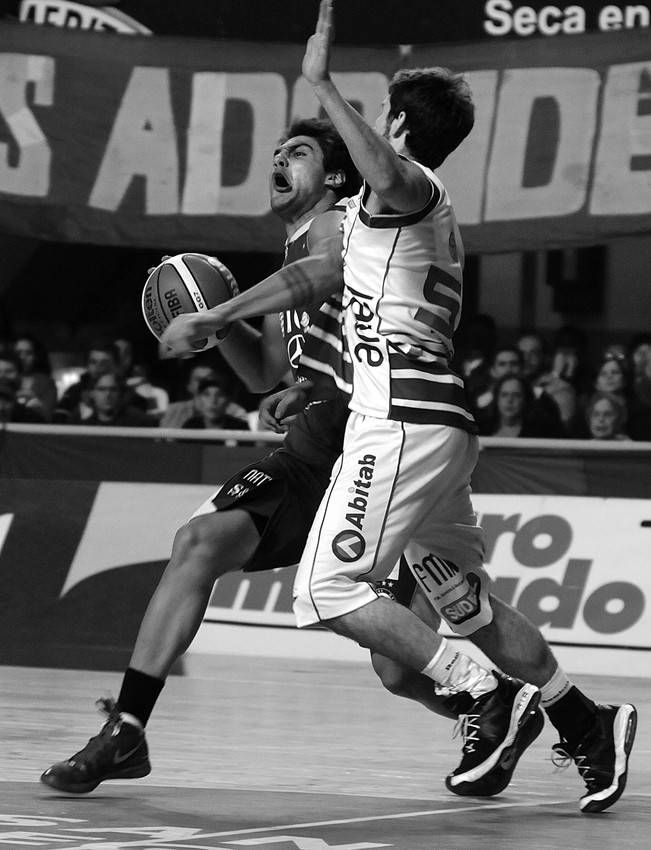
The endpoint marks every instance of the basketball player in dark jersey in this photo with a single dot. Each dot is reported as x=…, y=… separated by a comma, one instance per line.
x=260, y=518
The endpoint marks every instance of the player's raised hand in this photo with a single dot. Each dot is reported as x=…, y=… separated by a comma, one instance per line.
x=316, y=62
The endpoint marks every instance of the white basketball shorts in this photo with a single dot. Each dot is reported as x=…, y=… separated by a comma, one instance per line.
x=397, y=487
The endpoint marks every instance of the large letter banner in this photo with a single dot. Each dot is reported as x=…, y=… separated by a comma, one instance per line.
x=166, y=142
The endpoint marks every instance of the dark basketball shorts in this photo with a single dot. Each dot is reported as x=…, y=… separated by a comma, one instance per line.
x=281, y=494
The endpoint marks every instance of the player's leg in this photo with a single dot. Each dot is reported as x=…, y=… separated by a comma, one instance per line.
x=403, y=681
x=204, y=549
x=598, y=738
x=256, y=521
x=390, y=478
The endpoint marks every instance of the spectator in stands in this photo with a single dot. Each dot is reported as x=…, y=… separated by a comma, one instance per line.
x=37, y=387
x=563, y=383
x=11, y=408
x=178, y=412
x=75, y=405
x=153, y=399
x=211, y=403
x=507, y=360
x=515, y=413
x=639, y=420
x=639, y=351
x=613, y=376
x=532, y=348
x=606, y=415
x=110, y=405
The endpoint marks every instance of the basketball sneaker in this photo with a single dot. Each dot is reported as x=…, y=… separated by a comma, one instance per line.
x=602, y=756
x=118, y=752
x=496, y=731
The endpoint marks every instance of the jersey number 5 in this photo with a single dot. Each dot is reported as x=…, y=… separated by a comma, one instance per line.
x=442, y=291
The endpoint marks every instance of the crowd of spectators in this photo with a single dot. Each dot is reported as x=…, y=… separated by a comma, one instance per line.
x=527, y=388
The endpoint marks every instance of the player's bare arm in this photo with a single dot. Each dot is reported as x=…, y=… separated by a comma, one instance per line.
x=398, y=183
x=304, y=282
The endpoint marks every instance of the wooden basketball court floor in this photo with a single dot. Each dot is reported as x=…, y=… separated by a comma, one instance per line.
x=286, y=754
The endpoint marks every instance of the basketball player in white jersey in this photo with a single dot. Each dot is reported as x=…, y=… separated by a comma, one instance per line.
x=403, y=479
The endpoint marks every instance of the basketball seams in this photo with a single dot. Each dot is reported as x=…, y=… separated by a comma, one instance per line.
x=186, y=283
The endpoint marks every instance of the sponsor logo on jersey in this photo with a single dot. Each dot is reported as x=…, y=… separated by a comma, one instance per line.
x=237, y=491
x=348, y=546
x=367, y=350
x=360, y=490
x=466, y=606
x=295, y=349
x=256, y=477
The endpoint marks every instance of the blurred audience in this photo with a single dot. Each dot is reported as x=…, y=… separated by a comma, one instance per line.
x=514, y=412
x=178, y=412
x=639, y=419
x=211, y=405
x=605, y=416
x=110, y=405
x=532, y=349
x=153, y=399
x=529, y=389
x=75, y=404
x=37, y=387
x=12, y=409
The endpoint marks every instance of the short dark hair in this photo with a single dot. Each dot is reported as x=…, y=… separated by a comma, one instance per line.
x=439, y=111
x=335, y=152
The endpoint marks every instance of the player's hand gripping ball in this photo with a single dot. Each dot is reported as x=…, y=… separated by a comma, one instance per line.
x=186, y=283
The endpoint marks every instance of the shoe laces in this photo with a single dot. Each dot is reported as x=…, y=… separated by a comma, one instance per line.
x=108, y=707
x=468, y=727
x=562, y=758
x=95, y=745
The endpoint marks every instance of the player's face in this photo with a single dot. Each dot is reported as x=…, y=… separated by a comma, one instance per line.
x=297, y=179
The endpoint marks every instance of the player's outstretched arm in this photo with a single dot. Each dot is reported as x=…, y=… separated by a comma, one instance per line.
x=304, y=282
x=400, y=184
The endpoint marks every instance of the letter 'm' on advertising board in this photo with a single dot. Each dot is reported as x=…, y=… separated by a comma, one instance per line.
x=204, y=192
x=622, y=183
x=30, y=175
x=463, y=171
x=566, y=158
x=142, y=144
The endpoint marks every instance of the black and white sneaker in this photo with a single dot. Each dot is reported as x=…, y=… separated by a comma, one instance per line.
x=496, y=731
x=119, y=751
x=602, y=756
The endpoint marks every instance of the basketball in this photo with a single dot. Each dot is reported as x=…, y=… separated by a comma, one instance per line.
x=186, y=283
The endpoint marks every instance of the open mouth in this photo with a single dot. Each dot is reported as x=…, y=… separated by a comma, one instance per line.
x=281, y=183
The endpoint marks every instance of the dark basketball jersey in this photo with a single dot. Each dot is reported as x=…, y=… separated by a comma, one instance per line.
x=316, y=435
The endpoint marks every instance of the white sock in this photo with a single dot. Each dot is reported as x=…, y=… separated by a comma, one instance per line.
x=555, y=689
x=459, y=672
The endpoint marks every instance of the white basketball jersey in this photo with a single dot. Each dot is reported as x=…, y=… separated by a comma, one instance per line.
x=402, y=301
